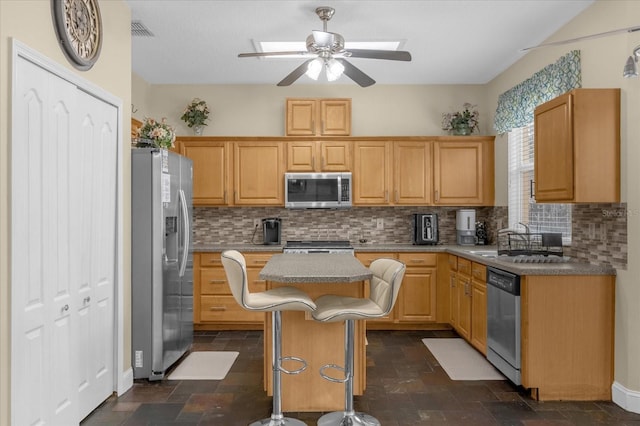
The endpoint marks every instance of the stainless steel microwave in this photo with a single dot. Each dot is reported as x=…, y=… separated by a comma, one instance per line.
x=317, y=190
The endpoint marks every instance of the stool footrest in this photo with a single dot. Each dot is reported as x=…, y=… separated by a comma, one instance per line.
x=293, y=358
x=333, y=379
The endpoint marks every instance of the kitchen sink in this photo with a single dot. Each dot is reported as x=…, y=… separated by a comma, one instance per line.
x=485, y=253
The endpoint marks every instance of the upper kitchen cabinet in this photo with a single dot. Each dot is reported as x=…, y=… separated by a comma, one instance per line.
x=463, y=171
x=258, y=173
x=319, y=156
x=318, y=117
x=577, y=147
x=412, y=166
x=371, y=172
x=210, y=169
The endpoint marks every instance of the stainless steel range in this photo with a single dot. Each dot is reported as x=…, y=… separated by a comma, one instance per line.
x=319, y=246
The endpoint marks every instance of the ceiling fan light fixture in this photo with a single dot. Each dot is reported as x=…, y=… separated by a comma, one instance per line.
x=314, y=68
x=334, y=70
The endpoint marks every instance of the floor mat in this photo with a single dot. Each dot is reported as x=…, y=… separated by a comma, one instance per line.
x=208, y=365
x=460, y=361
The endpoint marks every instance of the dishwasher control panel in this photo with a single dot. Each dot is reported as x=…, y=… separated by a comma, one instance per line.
x=504, y=280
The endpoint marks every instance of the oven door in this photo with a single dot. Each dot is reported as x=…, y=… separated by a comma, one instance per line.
x=503, y=332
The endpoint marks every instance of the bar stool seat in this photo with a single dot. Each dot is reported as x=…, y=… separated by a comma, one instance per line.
x=384, y=288
x=275, y=301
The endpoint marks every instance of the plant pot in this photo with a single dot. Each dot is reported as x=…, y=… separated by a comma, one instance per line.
x=461, y=130
x=197, y=129
x=145, y=143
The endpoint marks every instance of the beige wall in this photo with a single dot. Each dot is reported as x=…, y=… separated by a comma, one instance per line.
x=29, y=21
x=258, y=110
x=602, y=63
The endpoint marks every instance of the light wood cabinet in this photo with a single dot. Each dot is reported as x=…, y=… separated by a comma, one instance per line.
x=463, y=283
x=371, y=172
x=417, y=297
x=412, y=173
x=319, y=156
x=416, y=302
x=318, y=117
x=210, y=158
x=577, y=147
x=463, y=172
x=214, y=307
x=568, y=336
x=479, y=307
x=258, y=171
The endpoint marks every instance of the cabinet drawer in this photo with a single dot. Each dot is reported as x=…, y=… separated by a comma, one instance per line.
x=479, y=271
x=213, y=281
x=464, y=266
x=453, y=262
x=418, y=259
x=367, y=258
x=210, y=259
x=257, y=259
x=226, y=309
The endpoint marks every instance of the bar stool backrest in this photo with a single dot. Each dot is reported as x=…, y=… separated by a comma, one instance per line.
x=386, y=282
x=235, y=267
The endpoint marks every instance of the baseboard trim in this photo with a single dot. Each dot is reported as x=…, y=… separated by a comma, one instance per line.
x=126, y=381
x=626, y=398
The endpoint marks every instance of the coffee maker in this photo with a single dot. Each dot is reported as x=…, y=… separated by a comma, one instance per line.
x=271, y=230
x=466, y=227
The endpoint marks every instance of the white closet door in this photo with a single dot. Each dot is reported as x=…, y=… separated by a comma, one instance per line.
x=44, y=346
x=95, y=154
x=63, y=249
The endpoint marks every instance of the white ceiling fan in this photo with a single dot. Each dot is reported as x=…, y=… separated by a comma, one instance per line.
x=330, y=53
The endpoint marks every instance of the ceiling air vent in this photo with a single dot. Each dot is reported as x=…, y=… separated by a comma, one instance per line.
x=138, y=29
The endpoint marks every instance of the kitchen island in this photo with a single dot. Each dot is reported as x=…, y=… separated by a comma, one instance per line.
x=317, y=343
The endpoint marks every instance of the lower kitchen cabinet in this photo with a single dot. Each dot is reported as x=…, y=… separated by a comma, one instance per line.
x=568, y=336
x=215, y=308
x=479, y=307
x=468, y=301
x=416, y=303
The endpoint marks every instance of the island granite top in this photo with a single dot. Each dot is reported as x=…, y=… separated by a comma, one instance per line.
x=314, y=268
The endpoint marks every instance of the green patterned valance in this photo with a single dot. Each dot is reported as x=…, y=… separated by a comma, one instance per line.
x=515, y=106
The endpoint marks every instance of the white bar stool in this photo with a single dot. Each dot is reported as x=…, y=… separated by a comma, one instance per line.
x=275, y=301
x=385, y=284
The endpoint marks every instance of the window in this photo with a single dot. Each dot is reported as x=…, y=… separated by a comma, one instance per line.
x=541, y=217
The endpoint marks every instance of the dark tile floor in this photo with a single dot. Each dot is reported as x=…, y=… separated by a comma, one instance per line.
x=405, y=386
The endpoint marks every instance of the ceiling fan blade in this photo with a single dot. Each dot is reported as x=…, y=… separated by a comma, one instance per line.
x=295, y=53
x=295, y=74
x=393, y=55
x=355, y=74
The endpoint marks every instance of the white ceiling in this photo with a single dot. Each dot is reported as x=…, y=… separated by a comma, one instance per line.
x=451, y=41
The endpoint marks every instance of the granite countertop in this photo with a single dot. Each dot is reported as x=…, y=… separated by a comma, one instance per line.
x=314, y=268
x=570, y=267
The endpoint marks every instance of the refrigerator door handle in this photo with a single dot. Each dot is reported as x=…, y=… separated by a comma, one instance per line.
x=187, y=232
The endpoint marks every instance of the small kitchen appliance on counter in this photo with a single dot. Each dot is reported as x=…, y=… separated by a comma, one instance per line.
x=271, y=230
x=425, y=228
x=466, y=227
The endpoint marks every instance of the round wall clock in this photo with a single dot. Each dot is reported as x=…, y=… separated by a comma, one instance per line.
x=79, y=29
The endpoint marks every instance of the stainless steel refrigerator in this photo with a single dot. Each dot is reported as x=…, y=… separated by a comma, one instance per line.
x=161, y=260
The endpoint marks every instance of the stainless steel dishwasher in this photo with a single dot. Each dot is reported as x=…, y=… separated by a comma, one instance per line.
x=503, y=322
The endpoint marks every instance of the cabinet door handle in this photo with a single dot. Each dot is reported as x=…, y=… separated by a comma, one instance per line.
x=397, y=196
x=313, y=163
x=218, y=308
x=215, y=261
x=386, y=196
x=532, y=194
x=437, y=196
x=417, y=260
x=224, y=197
x=217, y=281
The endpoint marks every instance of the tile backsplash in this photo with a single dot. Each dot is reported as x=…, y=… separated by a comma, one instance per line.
x=599, y=230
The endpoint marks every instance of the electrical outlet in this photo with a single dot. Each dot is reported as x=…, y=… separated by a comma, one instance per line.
x=592, y=231
x=256, y=223
x=380, y=223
